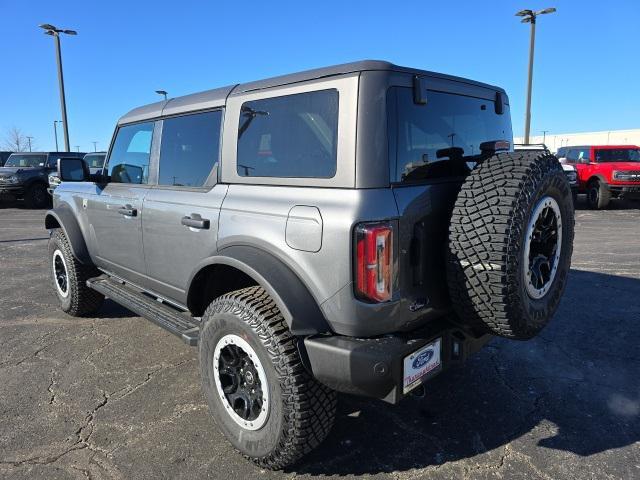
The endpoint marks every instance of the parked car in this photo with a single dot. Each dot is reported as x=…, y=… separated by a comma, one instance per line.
x=94, y=161
x=25, y=175
x=3, y=157
x=569, y=170
x=356, y=228
x=606, y=172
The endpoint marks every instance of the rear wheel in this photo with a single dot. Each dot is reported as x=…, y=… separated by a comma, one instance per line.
x=510, y=244
x=258, y=391
x=598, y=195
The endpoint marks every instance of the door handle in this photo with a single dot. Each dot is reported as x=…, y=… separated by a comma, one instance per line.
x=195, y=221
x=128, y=211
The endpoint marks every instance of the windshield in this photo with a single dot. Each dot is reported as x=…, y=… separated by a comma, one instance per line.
x=618, y=155
x=17, y=160
x=95, y=161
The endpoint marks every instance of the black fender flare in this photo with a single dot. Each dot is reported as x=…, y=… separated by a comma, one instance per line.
x=64, y=218
x=298, y=307
x=599, y=177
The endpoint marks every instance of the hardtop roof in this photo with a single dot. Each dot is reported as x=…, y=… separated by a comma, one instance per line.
x=217, y=97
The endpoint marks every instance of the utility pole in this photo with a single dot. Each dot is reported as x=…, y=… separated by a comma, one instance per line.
x=95, y=149
x=530, y=17
x=55, y=33
x=544, y=135
x=77, y=148
x=29, y=140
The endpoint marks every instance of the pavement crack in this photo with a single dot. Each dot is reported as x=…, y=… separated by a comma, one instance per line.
x=52, y=394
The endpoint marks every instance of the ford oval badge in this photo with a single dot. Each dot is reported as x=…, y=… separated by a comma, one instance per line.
x=422, y=359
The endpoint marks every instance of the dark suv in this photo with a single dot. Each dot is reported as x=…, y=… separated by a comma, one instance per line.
x=356, y=228
x=26, y=175
x=3, y=157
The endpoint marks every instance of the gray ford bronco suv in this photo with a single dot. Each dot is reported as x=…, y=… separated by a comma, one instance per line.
x=356, y=228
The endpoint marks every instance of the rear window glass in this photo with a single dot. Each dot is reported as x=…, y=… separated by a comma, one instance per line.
x=95, y=160
x=440, y=138
x=291, y=136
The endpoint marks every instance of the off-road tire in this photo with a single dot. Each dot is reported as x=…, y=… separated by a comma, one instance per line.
x=81, y=300
x=485, y=269
x=36, y=196
x=598, y=195
x=301, y=410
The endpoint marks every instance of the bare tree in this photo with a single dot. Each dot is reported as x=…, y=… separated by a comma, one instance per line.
x=16, y=141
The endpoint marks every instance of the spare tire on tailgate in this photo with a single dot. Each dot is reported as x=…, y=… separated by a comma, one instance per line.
x=510, y=244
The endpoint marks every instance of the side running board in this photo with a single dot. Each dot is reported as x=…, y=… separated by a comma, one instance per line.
x=176, y=322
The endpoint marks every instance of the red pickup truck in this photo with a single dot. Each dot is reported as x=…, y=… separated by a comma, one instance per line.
x=605, y=171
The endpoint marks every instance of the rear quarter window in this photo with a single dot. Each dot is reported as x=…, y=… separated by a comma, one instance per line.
x=438, y=139
x=293, y=136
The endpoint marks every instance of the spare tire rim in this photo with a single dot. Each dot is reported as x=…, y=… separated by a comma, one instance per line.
x=60, y=276
x=241, y=382
x=543, y=246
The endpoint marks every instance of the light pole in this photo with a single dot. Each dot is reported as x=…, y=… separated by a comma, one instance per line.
x=162, y=92
x=95, y=149
x=29, y=140
x=55, y=33
x=55, y=131
x=78, y=148
x=544, y=135
x=529, y=16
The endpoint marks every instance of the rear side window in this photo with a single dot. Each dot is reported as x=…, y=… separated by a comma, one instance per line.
x=289, y=136
x=129, y=158
x=438, y=139
x=190, y=148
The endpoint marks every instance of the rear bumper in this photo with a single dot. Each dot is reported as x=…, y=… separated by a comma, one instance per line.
x=373, y=367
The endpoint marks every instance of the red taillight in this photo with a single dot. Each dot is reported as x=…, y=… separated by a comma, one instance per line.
x=374, y=261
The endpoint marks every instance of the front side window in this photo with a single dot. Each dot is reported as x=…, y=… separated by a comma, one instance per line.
x=618, y=155
x=438, y=139
x=129, y=158
x=190, y=148
x=293, y=136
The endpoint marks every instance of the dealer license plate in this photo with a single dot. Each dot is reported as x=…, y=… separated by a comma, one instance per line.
x=420, y=364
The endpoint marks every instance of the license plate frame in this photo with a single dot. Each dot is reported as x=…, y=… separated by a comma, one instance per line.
x=421, y=364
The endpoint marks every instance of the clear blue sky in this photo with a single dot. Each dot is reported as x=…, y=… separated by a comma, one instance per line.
x=587, y=74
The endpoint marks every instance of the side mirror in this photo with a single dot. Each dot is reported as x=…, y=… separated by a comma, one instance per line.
x=73, y=170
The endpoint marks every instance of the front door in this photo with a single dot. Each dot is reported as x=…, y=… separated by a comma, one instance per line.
x=115, y=212
x=180, y=225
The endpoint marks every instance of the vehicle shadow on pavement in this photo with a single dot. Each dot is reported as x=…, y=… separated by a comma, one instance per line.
x=614, y=205
x=573, y=389
x=111, y=309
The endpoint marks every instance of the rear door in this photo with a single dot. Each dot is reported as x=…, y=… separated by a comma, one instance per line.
x=181, y=212
x=433, y=146
x=115, y=211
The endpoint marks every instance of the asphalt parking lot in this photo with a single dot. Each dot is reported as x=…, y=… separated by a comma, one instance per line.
x=117, y=397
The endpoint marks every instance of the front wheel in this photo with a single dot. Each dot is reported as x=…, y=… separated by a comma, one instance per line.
x=258, y=391
x=69, y=278
x=36, y=196
x=598, y=195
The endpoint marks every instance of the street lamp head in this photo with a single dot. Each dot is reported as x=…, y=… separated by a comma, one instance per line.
x=546, y=10
x=70, y=32
x=524, y=13
x=161, y=92
x=526, y=20
x=47, y=26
